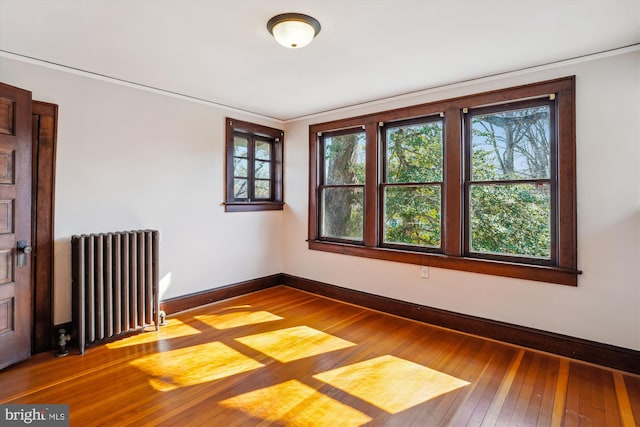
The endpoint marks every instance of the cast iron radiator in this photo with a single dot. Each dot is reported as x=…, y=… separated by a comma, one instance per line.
x=114, y=284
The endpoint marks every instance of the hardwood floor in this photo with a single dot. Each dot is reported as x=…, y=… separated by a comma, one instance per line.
x=286, y=357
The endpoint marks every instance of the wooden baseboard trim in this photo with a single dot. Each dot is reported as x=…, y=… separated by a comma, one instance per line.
x=186, y=302
x=589, y=351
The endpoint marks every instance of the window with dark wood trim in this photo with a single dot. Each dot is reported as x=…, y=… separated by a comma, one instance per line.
x=454, y=184
x=411, y=184
x=253, y=167
x=341, y=189
x=510, y=175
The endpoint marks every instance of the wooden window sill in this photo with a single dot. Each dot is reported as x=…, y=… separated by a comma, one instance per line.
x=549, y=274
x=253, y=206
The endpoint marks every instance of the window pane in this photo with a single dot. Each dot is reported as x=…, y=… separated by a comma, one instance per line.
x=511, y=144
x=240, y=167
x=262, y=189
x=412, y=215
x=511, y=219
x=240, y=145
x=263, y=170
x=342, y=213
x=263, y=150
x=240, y=189
x=414, y=153
x=344, y=158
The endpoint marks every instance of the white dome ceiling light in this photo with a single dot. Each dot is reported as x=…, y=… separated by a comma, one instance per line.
x=293, y=30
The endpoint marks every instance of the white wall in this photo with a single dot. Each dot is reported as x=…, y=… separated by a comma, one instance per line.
x=130, y=159
x=605, y=306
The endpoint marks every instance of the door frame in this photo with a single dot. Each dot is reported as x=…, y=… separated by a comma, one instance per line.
x=44, y=141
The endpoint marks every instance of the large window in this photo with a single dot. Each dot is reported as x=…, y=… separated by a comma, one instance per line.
x=254, y=167
x=483, y=183
x=510, y=173
x=411, y=185
x=342, y=185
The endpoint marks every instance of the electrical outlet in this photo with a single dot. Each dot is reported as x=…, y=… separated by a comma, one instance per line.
x=424, y=272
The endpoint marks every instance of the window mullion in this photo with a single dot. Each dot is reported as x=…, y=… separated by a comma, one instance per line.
x=272, y=175
x=250, y=169
x=566, y=232
x=453, y=190
x=371, y=202
x=278, y=162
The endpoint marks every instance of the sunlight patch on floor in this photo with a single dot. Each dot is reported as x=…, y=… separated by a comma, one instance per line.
x=286, y=345
x=174, y=329
x=236, y=319
x=391, y=383
x=193, y=365
x=294, y=403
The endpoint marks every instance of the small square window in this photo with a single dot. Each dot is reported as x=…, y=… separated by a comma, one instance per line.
x=253, y=167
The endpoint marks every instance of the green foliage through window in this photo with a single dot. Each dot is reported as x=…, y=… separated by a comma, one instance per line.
x=509, y=193
x=343, y=213
x=412, y=212
x=412, y=215
x=482, y=183
x=511, y=144
x=343, y=200
x=511, y=219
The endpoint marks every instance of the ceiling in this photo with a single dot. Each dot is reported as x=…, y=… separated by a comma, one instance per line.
x=220, y=51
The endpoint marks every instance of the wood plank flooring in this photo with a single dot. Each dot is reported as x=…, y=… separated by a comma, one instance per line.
x=286, y=357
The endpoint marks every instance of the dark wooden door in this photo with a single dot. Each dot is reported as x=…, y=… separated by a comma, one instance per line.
x=15, y=225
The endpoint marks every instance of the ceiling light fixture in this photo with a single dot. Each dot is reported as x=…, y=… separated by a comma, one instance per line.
x=293, y=30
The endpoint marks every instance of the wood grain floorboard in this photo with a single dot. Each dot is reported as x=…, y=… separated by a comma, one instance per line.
x=287, y=357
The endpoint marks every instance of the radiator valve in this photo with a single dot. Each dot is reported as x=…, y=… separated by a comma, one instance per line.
x=163, y=318
x=63, y=339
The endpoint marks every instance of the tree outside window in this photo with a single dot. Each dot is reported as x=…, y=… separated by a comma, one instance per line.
x=482, y=183
x=412, y=184
x=253, y=167
x=510, y=181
